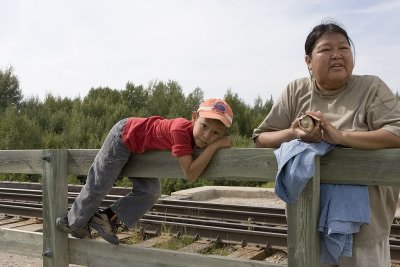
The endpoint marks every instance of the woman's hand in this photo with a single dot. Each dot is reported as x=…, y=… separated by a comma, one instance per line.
x=314, y=136
x=376, y=139
x=329, y=133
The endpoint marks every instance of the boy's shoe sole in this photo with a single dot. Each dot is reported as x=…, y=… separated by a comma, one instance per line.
x=100, y=223
x=63, y=225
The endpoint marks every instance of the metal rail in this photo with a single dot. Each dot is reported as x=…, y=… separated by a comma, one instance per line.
x=233, y=224
x=228, y=223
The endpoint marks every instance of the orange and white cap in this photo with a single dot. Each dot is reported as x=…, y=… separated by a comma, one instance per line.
x=218, y=109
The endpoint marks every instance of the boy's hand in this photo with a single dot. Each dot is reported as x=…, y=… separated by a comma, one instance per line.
x=223, y=142
x=192, y=168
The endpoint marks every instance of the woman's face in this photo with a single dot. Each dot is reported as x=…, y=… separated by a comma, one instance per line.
x=331, y=61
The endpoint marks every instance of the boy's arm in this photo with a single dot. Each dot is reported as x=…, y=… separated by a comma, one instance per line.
x=193, y=168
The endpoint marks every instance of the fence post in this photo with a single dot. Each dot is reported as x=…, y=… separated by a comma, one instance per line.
x=55, y=195
x=303, y=238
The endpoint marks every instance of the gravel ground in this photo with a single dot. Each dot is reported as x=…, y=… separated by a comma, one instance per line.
x=15, y=260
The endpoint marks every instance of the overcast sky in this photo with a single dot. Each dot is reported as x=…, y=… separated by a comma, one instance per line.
x=253, y=47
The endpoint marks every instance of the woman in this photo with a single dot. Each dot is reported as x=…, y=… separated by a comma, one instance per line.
x=353, y=111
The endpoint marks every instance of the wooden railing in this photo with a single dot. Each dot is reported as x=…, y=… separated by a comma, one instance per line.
x=340, y=166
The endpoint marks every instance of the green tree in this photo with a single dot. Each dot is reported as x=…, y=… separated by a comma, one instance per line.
x=242, y=123
x=176, y=99
x=166, y=99
x=260, y=110
x=98, y=112
x=18, y=132
x=136, y=98
x=192, y=102
x=10, y=93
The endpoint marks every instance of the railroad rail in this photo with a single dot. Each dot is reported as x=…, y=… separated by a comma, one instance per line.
x=232, y=224
x=258, y=227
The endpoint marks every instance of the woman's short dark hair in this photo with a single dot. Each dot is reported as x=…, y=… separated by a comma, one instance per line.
x=321, y=29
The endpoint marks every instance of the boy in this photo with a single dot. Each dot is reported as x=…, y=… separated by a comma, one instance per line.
x=206, y=130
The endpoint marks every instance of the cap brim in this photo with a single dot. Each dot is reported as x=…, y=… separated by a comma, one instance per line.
x=212, y=115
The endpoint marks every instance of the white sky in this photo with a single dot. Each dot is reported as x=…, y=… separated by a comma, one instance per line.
x=253, y=47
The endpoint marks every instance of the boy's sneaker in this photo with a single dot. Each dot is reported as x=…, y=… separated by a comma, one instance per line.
x=63, y=225
x=102, y=225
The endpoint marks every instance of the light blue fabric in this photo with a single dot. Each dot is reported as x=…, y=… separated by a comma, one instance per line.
x=296, y=166
x=343, y=208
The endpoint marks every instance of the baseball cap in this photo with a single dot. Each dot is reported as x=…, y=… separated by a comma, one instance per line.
x=218, y=109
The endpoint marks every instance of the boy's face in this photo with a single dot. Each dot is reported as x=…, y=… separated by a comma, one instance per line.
x=207, y=131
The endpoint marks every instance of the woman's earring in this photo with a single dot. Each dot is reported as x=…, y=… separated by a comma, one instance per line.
x=310, y=71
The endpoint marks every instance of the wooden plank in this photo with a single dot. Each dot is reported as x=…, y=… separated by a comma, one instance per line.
x=55, y=204
x=94, y=253
x=79, y=160
x=156, y=240
x=348, y=166
x=303, y=241
x=247, y=164
x=353, y=166
x=122, y=236
x=5, y=221
x=89, y=252
x=249, y=252
x=38, y=227
x=20, y=223
x=21, y=242
x=21, y=161
x=197, y=246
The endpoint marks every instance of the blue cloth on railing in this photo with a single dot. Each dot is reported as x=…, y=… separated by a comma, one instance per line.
x=343, y=209
x=338, y=220
x=296, y=166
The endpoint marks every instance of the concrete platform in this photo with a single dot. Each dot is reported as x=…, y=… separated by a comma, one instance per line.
x=255, y=196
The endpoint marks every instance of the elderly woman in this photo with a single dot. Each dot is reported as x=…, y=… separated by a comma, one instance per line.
x=357, y=111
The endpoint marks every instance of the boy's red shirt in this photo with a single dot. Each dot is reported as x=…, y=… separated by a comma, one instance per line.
x=156, y=133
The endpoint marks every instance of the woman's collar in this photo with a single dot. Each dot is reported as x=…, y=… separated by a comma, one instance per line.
x=329, y=92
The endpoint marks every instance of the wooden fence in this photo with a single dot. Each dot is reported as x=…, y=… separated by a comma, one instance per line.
x=340, y=166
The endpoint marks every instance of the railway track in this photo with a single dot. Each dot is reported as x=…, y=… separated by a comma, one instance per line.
x=256, y=232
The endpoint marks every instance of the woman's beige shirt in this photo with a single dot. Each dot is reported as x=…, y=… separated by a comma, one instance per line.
x=364, y=104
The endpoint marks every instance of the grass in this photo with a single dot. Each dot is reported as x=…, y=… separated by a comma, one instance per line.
x=219, y=250
x=177, y=243
x=136, y=236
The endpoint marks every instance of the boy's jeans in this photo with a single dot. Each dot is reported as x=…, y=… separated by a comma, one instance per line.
x=102, y=175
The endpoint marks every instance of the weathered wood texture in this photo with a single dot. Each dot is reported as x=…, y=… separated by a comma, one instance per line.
x=302, y=217
x=101, y=253
x=352, y=166
x=236, y=163
x=21, y=242
x=347, y=166
x=21, y=161
x=55, y=204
